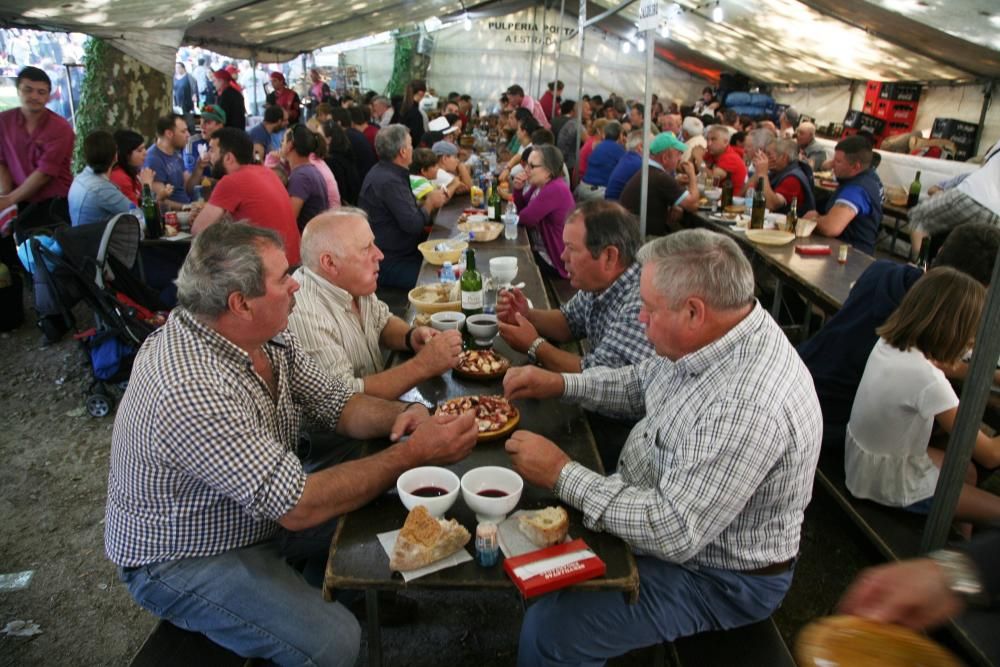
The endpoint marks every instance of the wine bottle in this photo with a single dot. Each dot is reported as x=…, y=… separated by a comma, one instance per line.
x=472, y=287
x=494, y=204
x=914, y=196
x=792, y=219
x=151, y=212
x=757, y=216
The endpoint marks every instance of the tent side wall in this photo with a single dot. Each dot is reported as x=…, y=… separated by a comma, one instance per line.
x=497, y=52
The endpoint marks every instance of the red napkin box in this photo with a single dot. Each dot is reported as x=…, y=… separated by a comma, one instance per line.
x=561, y=577
x=814, y=249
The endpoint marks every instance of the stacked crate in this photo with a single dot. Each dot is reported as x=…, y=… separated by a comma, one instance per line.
x=961, y=132
x=893, y=103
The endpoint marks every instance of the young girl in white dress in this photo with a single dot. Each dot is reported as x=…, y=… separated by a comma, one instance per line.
x=904, y=391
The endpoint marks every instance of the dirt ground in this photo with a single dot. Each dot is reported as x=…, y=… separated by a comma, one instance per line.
x=52, y=494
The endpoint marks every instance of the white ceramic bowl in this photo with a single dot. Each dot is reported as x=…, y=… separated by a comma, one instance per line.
x=428, y=477
x=446, y=320
x=739, y=201
x=496, y=479
x=713, y=194
x=483, y=327
x=504, y=269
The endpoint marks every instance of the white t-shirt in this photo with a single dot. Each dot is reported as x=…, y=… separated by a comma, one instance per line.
x=443, y=178
x=983, y=185
x=885, y=454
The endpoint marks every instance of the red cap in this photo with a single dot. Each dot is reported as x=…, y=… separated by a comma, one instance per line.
x=279, y=76
x=224, y=75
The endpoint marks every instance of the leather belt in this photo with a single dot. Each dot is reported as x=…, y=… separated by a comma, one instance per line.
x=772, y=569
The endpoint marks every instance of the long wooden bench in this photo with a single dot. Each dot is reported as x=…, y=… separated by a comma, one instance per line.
x=168, y=646
x=756, y=645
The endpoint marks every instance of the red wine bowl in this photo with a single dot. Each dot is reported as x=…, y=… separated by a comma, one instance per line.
x=433, y=487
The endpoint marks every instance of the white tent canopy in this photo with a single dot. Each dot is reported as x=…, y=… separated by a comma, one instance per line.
x=781, y=41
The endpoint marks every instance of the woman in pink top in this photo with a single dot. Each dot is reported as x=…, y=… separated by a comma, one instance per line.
x=317, y=160
x=543, y=207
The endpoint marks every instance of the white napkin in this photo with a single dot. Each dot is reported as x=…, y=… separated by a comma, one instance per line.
x=548, y=564
x=388, y=542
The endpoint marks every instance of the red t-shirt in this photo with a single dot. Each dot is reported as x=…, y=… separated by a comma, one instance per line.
x=129, y=186
x=254, y=193
x=370, y=132
x=791, y=187
x=732, y=164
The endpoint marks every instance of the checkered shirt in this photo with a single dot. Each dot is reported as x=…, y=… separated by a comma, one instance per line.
x=719, y=470
x=609, y=320
x=202, y=457
x=947, y=210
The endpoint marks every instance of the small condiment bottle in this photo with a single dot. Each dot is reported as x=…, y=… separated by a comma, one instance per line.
x=842, y=253
x=487, y=548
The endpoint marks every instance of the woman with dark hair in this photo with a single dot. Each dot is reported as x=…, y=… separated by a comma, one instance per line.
x=412, y=117
x=340, y=159
x=543, y=203
x=306, y=186
x=92, y=196
x=128, y=173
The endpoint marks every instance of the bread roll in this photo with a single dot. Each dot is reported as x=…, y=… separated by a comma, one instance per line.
x=545, y=527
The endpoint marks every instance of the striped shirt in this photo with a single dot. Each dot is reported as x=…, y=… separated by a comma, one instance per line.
x=343, y=343
x=609, y=320
x=719, y=470
x=202, y=457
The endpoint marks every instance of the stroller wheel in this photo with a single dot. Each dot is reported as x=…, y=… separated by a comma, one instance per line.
x=99, y=405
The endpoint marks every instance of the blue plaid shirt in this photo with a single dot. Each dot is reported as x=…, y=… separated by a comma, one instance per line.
x=609, y=320
x=202, y=457
x=719, y=470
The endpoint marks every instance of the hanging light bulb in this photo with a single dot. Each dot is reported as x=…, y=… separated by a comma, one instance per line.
x=467, y=22
x=626, y=46
x=717, y=12
x=640, y=46
x=665, y=30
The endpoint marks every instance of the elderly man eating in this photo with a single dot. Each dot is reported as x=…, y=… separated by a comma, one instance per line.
x=788, y=178
x=810, y=150
x=344, y=326
x=713, y=481
x=206, y=496
x=666, y=194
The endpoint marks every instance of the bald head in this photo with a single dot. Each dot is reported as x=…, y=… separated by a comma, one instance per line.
x=671, y=122
x=339, y=246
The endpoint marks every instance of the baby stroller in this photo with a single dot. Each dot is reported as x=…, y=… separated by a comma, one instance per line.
x=99, y=264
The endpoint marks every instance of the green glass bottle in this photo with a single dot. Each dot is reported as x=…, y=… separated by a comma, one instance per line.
x=472, y=289
x=914, y=196
x=493, y=204
x=759, y=203
x=151, y=212
x=792, y=218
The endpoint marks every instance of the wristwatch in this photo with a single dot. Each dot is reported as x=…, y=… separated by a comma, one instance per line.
x=963, y=579
x=533, y=349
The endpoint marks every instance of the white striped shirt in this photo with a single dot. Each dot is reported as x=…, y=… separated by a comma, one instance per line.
x=202, y=456
x=719, y=470
x=344, y=344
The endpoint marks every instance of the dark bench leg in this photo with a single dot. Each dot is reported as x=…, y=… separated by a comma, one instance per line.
x=374, y=629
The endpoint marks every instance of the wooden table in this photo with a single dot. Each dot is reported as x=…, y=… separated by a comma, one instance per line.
x=357, y=560
x=819, y=279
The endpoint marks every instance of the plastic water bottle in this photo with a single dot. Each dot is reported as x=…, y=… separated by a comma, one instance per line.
x=748, y=201
x=447, y=273
x=510, y=222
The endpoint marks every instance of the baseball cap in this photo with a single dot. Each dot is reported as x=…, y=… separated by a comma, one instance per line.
x=444, y=148
x=213, y=112
x=278, y=75
x=223, y=74
x=665, y=140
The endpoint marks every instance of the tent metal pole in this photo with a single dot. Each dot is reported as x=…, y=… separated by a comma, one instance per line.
x=581, y=29
x=562, y=12
x=987, y=101
x=540, y=85
x=531, y=56
x=253, y=73
x=611, y=12
x=975, y=391
x=647, y=122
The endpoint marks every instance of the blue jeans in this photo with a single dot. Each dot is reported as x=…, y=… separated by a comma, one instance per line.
x=587, y=628
x=253, y=603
